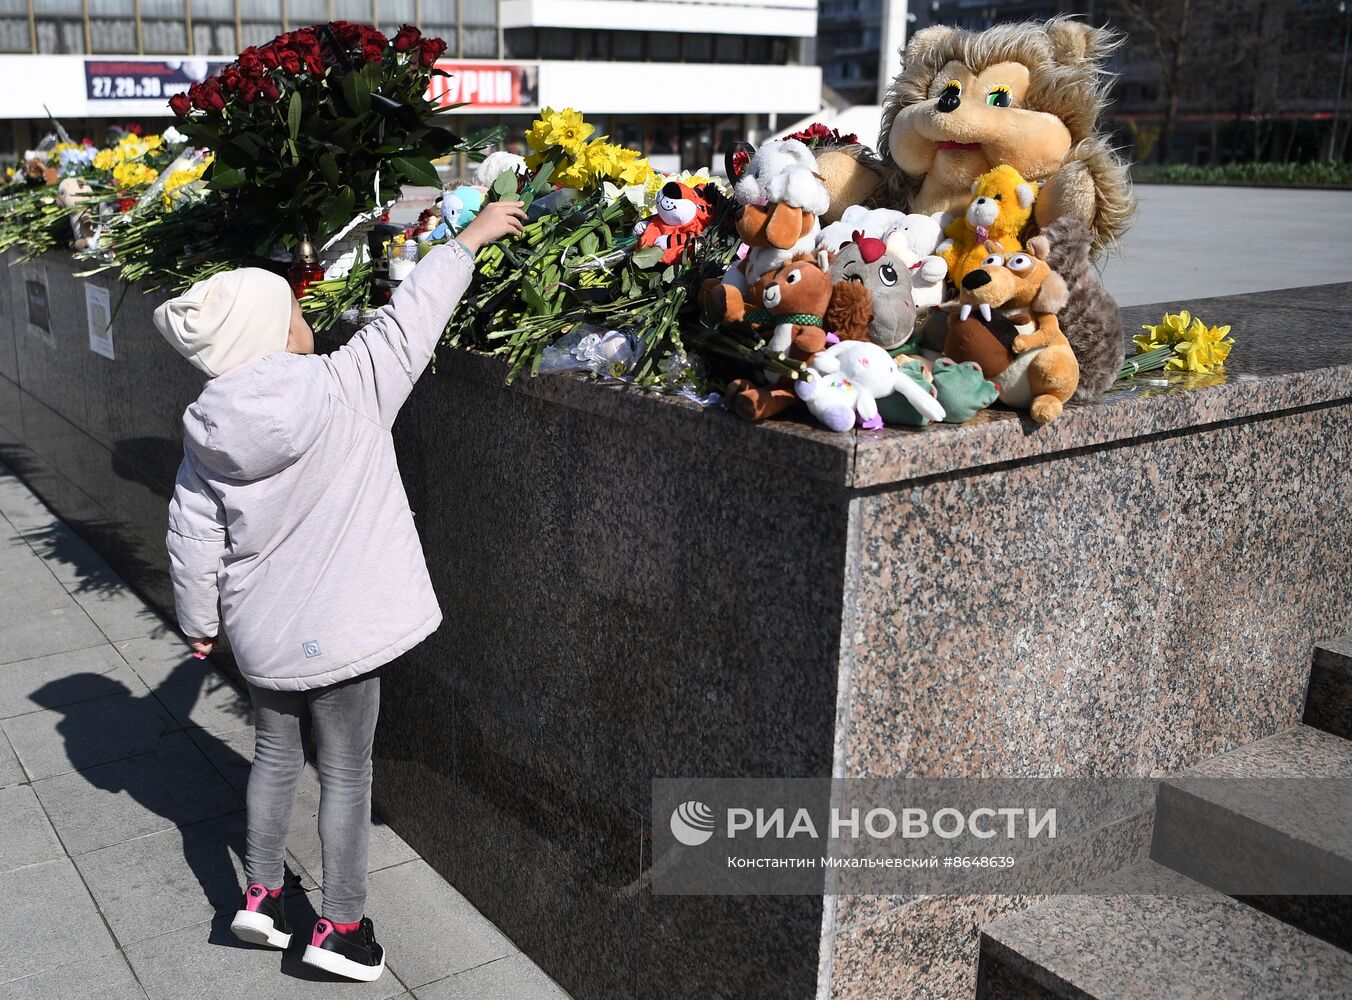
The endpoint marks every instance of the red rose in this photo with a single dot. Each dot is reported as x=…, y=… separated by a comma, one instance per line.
x=432, y=49
x=281, y=41
x=290, y=62
x=250, y=64
x=406, y=38
x=269, y=58
x=269, y=90
x=212, y=98
x=314, y=64
x=230, y=77
x=248, y=91
x=349, y=34
x=195, y=96
x=180, y=104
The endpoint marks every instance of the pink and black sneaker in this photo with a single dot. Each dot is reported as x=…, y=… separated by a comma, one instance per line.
x=348, y=950
x=262, y=918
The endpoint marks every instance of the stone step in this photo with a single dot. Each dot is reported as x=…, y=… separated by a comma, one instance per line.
x=1271, y=824
x=1148, y=931
x=1328, y=701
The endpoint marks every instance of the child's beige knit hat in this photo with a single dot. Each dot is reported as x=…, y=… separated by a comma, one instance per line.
x=229, y=319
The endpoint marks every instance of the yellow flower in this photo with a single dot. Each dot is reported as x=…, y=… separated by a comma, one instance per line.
x=105, y=159
x=1201, y=348
x=564, y=129
x=133, y=175
x=179, y=185
x=1169, y=331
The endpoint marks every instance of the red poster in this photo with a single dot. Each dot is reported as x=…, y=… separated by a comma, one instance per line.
x=485, y=85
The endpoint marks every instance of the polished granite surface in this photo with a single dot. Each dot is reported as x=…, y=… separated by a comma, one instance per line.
x=635, y=587
x=1293, y=349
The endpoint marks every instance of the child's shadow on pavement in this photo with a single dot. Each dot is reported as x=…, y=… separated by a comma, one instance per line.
x=209, y=845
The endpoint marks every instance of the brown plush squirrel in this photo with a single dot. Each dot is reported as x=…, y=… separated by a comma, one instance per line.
x=1020, y=295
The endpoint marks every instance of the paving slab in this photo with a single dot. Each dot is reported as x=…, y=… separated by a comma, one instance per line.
x=103, y=977
x=87, y=733
x=18, y=502
x=118, y=611
x=31, y=586
x=26, y=837
x=112, y=803
x=212, y=965
x=210, y=701
x=163, y=659
x=429, y=929
x=71, y=559
x=48, y=918
x=11, y=771
x=162, y=882
x=232, y=754
x=84, y=674
x=43, y=632
x=512, y=978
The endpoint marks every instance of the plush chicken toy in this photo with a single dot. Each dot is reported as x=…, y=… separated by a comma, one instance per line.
x=681, y=216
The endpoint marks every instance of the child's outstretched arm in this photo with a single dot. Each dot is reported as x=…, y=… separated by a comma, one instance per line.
x=376, y=369
x=196, y=542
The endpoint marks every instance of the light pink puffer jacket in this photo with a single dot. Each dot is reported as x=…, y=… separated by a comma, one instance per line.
x=289, y=508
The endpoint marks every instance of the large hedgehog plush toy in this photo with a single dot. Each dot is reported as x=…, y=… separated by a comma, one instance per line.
x=1029, y=95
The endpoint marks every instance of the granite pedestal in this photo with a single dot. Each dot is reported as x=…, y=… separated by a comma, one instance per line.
x=634, y=588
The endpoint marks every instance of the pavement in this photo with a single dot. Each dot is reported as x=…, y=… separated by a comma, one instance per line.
x=123, y=764
x=1198, y=242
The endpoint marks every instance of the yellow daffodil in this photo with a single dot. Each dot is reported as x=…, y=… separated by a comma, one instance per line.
x=1201, y=349
x=1169, y=331
x=564, y=129
x=133, y=175
x=105, y=159
x=179, y=185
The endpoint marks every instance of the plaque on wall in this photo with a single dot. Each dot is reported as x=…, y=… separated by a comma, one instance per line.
x=37, y=306
x=100, y=320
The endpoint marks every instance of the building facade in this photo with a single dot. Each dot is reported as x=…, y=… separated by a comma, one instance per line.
x=679, y=79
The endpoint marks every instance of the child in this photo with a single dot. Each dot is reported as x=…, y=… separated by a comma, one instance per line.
x=290, y=512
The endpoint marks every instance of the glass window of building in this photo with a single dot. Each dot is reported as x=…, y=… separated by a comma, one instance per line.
x=213, y=28
x=112, y=26
x=163, y=28
x=58, y=25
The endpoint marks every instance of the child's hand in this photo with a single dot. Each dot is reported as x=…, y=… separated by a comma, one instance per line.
x=202, y=648
x=498, y=219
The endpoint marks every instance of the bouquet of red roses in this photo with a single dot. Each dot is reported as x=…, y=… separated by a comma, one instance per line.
x=316, y=126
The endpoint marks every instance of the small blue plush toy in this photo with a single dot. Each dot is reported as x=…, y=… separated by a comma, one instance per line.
x=458, y=209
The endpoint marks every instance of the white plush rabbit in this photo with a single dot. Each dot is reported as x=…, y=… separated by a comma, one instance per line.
x=847, y=380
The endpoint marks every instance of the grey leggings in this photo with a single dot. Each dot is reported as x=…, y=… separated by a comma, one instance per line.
x=343, y=717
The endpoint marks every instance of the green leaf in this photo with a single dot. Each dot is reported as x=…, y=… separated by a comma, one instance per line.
x=328, y=166
x=540, y=185
x=225, y=177
x=533, y=298
x=293, y=115
x=416, y=170
x=504, y=186
x=357, y=93
x=647, y=256
x=337, y=213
